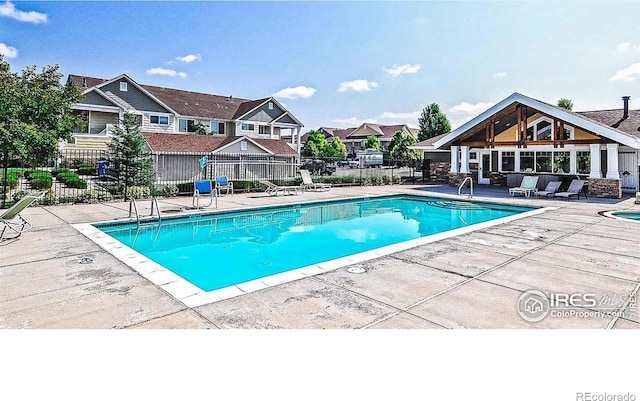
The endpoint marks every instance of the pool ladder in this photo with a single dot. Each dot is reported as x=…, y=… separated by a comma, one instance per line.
x=470, y=186
x=133, y=208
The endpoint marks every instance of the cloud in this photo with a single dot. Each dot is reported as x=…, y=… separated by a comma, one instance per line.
x=189, y=58
x=298, y=92
x=353, y=121
x=623, y=46
x=8, y=51
x=359, y=85
x=501, y=74
x=386, y=118
x=402, y=69
x=9, y=10
x=166, y=71
x=465, y=111
x=628, y=74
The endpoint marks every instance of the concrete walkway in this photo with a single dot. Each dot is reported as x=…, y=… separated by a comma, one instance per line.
x=469, y=281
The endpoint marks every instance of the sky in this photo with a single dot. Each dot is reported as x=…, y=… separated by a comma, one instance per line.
x=339, y=64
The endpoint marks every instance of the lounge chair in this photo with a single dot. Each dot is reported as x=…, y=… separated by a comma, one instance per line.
x=528, y=184
x=308, y=183
x=204, y=189
x=11, y=218
x=277, y=190
x=223, y=183
x=575, y=188
x=551, y=188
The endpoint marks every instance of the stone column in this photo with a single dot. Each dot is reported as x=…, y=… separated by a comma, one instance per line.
x=612, y=161
x=455, y=160
x=596, y=171
x=464, y=159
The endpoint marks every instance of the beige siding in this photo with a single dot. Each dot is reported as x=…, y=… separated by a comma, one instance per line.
x=99, y=120
x=88, y=144
x=157, y=128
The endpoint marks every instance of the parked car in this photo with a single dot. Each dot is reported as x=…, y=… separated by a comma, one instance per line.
x=354, y=163
x=317, y=166
x=342, y=163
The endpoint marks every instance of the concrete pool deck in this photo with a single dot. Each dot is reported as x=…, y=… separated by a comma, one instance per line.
x=468, y=281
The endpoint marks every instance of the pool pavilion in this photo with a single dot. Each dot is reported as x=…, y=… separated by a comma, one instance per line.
x=524, y=136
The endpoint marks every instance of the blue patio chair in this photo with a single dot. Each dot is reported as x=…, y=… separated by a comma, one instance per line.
x=204, y=189
x=223, y=183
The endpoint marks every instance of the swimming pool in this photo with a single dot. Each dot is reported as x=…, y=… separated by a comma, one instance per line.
x=220, y=253
x=634, y=216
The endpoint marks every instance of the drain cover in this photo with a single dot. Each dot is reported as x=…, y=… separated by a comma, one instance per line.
x=85, y=261
x=356, y=270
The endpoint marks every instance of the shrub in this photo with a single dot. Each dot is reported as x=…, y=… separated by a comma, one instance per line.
x=41, y=182
x=138, y=192
x=73, y=182
x=37, y=175
x=87, y=168
x=386, y=179
x=67, y=175
x=19, y=195
x=186, y=187
x=16, y=171
x=12, y=180
x=94, y=197
x=170, y=190
x=58, y=170
x=377, y=180
x=397, y=179
x=365, y=181
x=349, y=179
x=49, y=199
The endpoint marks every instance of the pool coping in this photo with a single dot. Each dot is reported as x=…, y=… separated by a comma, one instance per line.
x=192, y=296
x=612, y=214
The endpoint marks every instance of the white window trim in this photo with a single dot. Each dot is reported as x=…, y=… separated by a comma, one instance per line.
x=535, y=123
x=243, y=145
x=124, y=87
x=159, y=117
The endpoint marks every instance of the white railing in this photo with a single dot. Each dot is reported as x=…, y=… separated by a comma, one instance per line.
x=470, y=185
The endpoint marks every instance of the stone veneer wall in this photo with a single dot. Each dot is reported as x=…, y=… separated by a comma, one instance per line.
x=604, y=187
x=439, y=171
x=455, y=179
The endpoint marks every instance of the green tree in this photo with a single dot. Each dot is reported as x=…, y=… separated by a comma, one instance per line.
x=432, y=122
x=310, y=150
x=372, y=143
x=201, y=129
x=315, y=145
x=35, y=112
x=565, y=103
x=132, y=164
x=339, y=147
x=400, y=151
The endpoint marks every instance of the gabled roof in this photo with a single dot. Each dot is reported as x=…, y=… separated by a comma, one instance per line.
x=79, y=80
x=193, y=143
x=427, y=143
x=573, y=118
x=613, y=119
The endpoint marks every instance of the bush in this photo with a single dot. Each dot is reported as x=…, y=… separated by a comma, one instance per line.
x=137, y=192
x=386, y=179
x=94, y=197
x=16, y=171
x=377, y=180
x=87, y=168
x=244, y=185
x=397, y=179
x=67, y=175
x=349, y=179
x=19, y=195
x=74, y=182
x=49, y=199
x=38, y=175
x=41, y=182
x=58, y=170
x=186, y=187
x=12, y=180
x=170, y=190
x=365, y=181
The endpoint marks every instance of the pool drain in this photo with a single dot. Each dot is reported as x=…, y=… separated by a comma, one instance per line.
x=86, y=260
x=356, y=270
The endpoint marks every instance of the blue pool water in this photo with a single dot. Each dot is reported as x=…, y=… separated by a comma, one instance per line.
x=221, y=249
x=627, y=215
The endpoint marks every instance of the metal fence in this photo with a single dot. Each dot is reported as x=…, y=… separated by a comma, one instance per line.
x=83, y=176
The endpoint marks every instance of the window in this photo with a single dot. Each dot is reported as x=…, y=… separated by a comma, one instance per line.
x=217, y=128
x=583, y=162
x=243, y=145
x=248, y=127
x=568, y=133
x=473, y=156
x=123, y=87
x=561, y=162
x=527, y=161
x=508, y=161
x=540, y=130
x=186, y=125
x=543, y=162
x=270, y=105
x=162, y=120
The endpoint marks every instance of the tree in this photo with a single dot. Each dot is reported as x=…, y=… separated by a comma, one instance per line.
x=339, y=147
x=400, y=151
x=201, y=129
x=315, y=145
x=372, y=143
x=310, y=149
x=35, y=113
x=565, y=103
x=131, y=164
x=432, y=122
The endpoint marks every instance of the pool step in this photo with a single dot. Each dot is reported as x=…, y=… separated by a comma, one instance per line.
x=456, y=205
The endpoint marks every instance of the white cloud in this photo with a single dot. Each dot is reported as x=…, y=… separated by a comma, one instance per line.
x=353, y=121
x=9, y=10
x=189, y=58
x=465, y=111
x=166, y=71
x=403, y=69
x=8, y=51
x=500, y=74
x=295, y=93
x=386, y=118
x=623, y=46
x=628, y=74
x=359, y=85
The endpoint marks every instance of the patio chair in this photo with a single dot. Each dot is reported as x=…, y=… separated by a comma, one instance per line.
x=276, y=190
x=204, y=189
x=13, y=221
x=308, y=183
x=575, y=188
x=528, y=184
x=551, y=188
x=223, y=183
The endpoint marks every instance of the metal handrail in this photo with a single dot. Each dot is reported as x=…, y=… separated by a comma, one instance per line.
x=470, y=186
x=132, y=202
x=154, y=201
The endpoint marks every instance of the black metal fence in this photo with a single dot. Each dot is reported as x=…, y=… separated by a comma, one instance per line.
x=86, y=176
